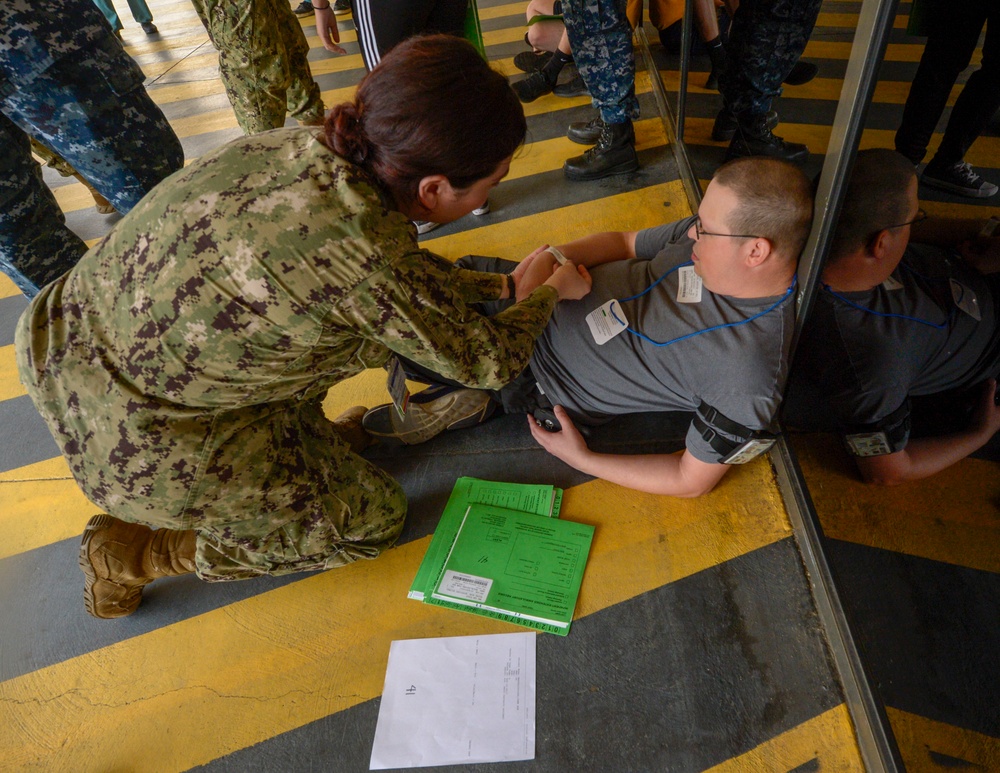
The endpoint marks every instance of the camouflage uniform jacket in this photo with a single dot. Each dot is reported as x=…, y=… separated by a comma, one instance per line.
x=242, y=287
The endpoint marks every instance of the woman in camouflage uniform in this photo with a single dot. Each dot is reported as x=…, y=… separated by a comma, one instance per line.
x=181, y=365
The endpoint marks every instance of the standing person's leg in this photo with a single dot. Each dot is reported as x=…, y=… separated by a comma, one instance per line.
x=765, y=42
x=381, y=24
x=93, y=110
x=975, y=106
x=140, y=12
x=110, y=14
x=35, y=244
x=304, y=101
x=954, y=35
x=251, y=60
x=601, y=40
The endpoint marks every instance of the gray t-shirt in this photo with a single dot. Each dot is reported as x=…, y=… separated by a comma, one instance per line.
x=739, y=371
x=869, y=350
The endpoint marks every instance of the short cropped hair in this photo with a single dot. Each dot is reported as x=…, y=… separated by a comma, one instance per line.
x=877, y=197
x=775, y=201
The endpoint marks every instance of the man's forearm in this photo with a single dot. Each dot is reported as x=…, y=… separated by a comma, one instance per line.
x=600, y=248
x=678, y=475
x=921, y=458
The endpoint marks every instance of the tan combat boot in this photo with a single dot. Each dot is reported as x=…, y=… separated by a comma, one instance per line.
x=348, y=426
x=119, y=559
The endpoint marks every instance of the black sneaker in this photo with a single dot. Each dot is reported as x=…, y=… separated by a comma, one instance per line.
x=574, y=87
x=758, y=140
x=724, y=128
x=957, y=178
x=305, y=8
x=532, y=87
x=531, y=61
x=149, y=28
x=341, y=7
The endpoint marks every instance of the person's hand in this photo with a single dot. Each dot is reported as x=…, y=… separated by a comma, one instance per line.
x=572, y=282
x=982, y=253
x=533, y=271
x=326, y=26
x=567, y=444
x=986, y=416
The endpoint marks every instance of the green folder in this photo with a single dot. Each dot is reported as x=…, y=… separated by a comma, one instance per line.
x=514, y=566
x=540, y=499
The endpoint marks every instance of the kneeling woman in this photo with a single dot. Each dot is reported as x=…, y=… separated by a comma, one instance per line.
x=181, y=365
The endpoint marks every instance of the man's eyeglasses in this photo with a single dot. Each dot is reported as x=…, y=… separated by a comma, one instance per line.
x=702, y=232
x=921, y=215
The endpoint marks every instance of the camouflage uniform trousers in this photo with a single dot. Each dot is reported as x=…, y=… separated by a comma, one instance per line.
x=766, y=40
x=263, y=62
x=601, y=39
x=90, y=107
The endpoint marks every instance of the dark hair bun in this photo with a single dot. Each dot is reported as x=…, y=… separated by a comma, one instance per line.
x=345, y=134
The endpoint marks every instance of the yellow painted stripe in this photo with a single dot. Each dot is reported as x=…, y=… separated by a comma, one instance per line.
x=828, y=739
x=850, y=20
x=7, y=288
x=49, y=469
x=949, y=517
x=287, y=657
x=10, y=383
x=625, y=212
x=918, y=736
x=41, y=512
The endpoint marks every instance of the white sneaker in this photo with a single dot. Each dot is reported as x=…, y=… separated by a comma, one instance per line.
x=483, y=210
x=425, y=226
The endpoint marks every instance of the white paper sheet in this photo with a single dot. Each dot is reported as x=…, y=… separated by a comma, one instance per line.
x=457, y=700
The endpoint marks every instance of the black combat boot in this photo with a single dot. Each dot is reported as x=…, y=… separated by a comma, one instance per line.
x=754, y=138
x=586, y=132
x=614, y=153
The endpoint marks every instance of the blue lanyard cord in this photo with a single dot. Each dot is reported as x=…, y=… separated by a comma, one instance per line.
x=887, y=315
x=772, y=307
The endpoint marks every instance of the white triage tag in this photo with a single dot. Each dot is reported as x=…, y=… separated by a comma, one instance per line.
x=688, y=285
x=891, y=284
x=396, y=384
x=966, y=300
x=868, y=444
x=602, y=323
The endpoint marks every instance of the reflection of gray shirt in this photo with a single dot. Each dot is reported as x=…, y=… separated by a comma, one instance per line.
x=739, y=370
x=867, y=363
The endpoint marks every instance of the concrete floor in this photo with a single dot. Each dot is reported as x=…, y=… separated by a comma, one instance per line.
x=696, y=643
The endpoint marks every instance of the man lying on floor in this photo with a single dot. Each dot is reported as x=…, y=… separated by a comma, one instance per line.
x=696, y=315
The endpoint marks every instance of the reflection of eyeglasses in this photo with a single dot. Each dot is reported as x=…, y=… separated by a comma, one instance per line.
x=701, y=232
x=921, y=215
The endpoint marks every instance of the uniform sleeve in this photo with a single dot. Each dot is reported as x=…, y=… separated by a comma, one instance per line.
x=419, y=307
x=650, y=241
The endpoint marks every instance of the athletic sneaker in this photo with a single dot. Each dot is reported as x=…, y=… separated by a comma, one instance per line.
x=425, y=226
x=342, y=7
x=429, y=413
x=483, y=210
x=305, y=8
x=957, y=178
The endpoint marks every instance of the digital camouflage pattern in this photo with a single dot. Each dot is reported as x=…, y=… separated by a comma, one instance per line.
x=181, y=364
x=601, y=39
x=766, y=40
x=66, y=81
x=263, y=62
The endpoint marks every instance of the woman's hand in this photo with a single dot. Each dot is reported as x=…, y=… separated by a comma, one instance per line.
x=566, y=444
x=326, y=26
x=572, y=282
x=532, y=272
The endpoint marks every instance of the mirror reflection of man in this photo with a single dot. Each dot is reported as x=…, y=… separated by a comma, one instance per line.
x=907, y=308
x=709, y=307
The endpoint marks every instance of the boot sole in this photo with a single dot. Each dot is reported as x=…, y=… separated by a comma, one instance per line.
x=89, y=573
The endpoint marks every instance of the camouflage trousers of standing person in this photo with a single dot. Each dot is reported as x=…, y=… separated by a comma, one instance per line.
x=766, y=40
x=36, y=246
x=92, y=110
x=601, y=39
x=263, y=62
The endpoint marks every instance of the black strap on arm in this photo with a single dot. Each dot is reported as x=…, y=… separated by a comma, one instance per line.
x=885, y=436
x=749, y=443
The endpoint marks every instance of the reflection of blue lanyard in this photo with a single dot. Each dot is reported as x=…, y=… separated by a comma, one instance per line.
x=772, y=307
x=888, y=315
